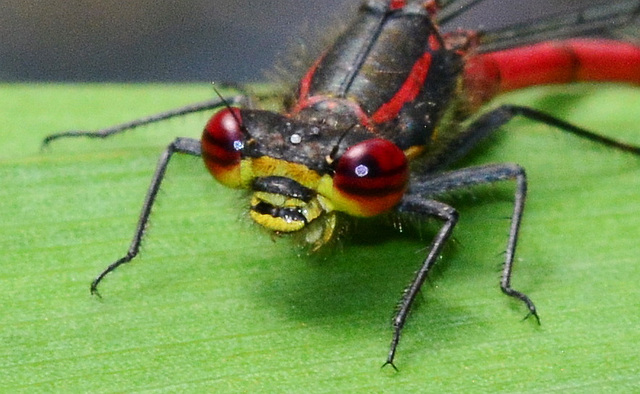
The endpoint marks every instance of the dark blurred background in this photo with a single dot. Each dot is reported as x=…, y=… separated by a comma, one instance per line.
x=196, y=40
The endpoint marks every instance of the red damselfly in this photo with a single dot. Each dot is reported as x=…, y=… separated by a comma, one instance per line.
x=375, y=126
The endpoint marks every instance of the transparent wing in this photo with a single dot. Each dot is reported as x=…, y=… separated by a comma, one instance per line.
x=619, y=19
x=605, y=20
x=450, y=9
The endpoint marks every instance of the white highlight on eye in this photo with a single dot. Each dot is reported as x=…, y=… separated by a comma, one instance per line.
x=362, y=170
x=238, y=145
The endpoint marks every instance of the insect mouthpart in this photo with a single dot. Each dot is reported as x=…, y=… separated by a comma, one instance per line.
x=283, y=205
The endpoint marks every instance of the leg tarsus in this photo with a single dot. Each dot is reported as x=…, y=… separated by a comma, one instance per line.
x=424, y=207
x=525, y=299
x=180, y=145
x=534, y=314
x=389, y=362
x=111, y=267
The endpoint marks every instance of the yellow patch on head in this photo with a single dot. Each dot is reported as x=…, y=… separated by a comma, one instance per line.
x=265, y=166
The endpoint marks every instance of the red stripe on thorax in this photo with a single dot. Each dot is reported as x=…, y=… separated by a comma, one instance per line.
x=305, y=101
x=305, y=86
x=407, y=92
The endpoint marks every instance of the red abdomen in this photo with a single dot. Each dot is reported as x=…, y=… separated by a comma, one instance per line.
x=552, y=62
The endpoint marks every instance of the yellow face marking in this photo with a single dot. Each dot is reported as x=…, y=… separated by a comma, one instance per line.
x=310, y=210
x=320, y=220
x=268, y=166
x=277, y=224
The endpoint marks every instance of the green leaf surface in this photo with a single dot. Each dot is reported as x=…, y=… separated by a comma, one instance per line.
x=214, y=304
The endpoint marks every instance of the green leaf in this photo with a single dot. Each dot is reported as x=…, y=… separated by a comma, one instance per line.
x=214, y=304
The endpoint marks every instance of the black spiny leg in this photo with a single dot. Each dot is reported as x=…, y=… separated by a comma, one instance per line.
x=472, y=176
x=449, y=181
x=180, y=145
x=491, y=121
x=423, y=207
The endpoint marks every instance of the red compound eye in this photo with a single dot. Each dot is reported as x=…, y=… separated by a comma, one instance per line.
x=370, y=178
x=222, y=143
